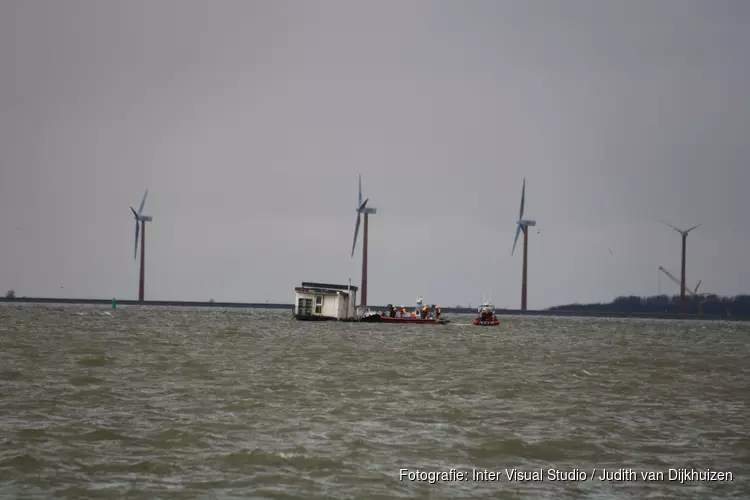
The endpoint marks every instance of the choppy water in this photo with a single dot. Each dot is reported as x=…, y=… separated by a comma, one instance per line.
x=179, y=403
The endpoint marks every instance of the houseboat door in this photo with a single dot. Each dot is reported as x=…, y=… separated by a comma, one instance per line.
x=319, y=304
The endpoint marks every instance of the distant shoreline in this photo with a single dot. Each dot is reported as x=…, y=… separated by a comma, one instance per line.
x=156, y=303
x=448, y=310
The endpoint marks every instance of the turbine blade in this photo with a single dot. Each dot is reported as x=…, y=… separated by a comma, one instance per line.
x=694, y=227
x=134, y=213
x=670, y=225
x=696, y=287
x=523, y=199
x=143, y=202
x=362, y=206
x=356, y=232
x=137, y=230
x=359, y=202
x=515, y=240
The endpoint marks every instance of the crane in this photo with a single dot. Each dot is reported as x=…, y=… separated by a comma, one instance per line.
x=701, y=298
x=693, y=292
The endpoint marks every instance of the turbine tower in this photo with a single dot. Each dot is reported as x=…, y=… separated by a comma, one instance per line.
x=684, y=235
x=140, y=225
x=362, y=208
x=523, y=225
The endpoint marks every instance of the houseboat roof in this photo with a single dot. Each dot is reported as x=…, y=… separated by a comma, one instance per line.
x=328, y=286
x=330, y=291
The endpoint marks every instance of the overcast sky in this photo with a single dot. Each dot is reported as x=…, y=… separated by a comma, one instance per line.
x=249, y=122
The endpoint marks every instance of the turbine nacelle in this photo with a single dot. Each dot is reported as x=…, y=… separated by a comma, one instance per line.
x=526, y=222
x=144, y=218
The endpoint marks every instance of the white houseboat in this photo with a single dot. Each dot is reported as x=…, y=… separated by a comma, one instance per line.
x=325, y=302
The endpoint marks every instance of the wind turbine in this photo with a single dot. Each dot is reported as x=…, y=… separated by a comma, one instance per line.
x=140, y=225
x=523, y=225
x=362, y=208
x=684, y=235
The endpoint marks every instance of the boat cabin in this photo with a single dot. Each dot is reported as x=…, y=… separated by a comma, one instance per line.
x=487, y=305
x=324, y=301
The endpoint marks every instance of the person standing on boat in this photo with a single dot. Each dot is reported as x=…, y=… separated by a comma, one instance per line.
x=403, y=311
x=485, y=314
x=425, y=311
x=437, y=312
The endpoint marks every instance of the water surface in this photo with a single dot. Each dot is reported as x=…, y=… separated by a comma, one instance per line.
x=197, y=403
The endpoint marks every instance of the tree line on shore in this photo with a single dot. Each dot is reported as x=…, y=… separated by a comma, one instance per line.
x=739, y=305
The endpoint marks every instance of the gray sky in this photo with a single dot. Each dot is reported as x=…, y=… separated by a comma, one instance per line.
x=249, y=122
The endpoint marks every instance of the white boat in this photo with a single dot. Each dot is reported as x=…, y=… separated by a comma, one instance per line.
x=486, y=315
